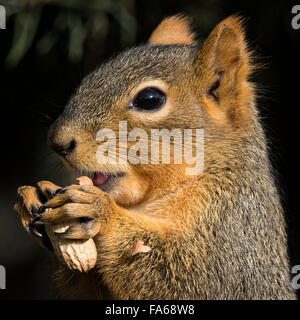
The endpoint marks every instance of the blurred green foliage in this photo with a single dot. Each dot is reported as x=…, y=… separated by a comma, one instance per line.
x=78, y=18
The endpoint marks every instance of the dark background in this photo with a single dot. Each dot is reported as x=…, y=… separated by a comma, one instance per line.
x=36, y=82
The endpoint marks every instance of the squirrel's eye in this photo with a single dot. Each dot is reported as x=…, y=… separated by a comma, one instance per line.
x=149, y=99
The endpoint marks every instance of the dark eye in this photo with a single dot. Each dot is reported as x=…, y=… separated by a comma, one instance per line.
x=149, y=99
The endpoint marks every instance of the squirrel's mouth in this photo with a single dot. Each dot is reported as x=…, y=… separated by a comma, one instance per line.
x=99, y=179
x=105, y=181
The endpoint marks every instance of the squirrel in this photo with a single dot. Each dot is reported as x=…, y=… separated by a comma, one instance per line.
x=217, y=234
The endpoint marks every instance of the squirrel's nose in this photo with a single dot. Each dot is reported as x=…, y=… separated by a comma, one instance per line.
x=61, y=139
x=65, y=149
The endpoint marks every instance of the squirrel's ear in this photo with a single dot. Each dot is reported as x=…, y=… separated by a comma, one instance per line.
x=173, y=30
x=226, y=45
x=223, y=63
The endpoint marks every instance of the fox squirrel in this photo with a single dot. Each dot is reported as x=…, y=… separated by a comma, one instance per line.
x=219, y=234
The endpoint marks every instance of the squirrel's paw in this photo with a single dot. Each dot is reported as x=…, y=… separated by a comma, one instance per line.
x=29, y=206
x=85, y=206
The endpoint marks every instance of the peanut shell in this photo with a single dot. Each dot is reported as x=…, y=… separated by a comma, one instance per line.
x=78, y=255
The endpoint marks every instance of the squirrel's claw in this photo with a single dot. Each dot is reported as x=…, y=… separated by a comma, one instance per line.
x=48, y=189
x=85, y=229
x=51, y=204
x=66, y=212
x=30, y=208
x=38, y=230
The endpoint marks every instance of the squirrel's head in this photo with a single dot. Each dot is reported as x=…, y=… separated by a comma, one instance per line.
x=172, y=82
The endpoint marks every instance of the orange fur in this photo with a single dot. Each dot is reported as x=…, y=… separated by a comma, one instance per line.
x=173, y=30
x=212, y=236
